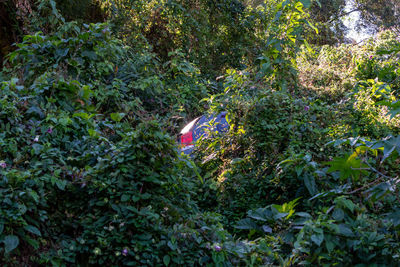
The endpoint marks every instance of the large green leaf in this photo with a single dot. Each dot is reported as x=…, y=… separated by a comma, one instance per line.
x=317, y=239
x=246, y=224
x=310, y=184
x=345, y=230
x=166, y=260
x=117, y=117
x=33, y=230
x=348, y=166
x=394, y=217
x=261, y=214
x=346, y=203
x=10, y=243
x=390, y=144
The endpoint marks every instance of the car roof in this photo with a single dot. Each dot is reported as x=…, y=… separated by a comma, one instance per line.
x=199, y=124
x=189, y=126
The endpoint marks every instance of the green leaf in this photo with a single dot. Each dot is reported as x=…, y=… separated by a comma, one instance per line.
x=393, y=216
x=317, y=239
x=310, y=184
x=345, y=230
x=61, y=184
x=10, y=242
x=348, y=166
x=309, y=48
x=35, y=111
x=193, y=166
x=172, y=244
x=261, y=214
x=246, y=224
x=93, y=133
x=267, y=229
x=125, y=198
x=117, y=117
x=329, y=246
x=389, y=145
x=61, y=52
x=285, y=210
x=338, y=214
x=33, y=230
x=34, y=243
x=37, y=148
x=34, y=195
x=313, y=27
x=166, y=260
x=280, y=215
x=304, y=215
x=85, y=93
x=345, y=203
x=379, y=191
x=83, y=115
x=89, y=54
x=306, y=3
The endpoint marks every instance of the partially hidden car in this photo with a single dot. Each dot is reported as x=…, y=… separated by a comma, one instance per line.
x=199, y=128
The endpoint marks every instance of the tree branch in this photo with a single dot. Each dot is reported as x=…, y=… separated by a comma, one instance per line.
x=342, y=15
x=370, y=168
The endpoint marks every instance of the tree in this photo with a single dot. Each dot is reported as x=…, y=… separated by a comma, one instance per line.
x=13, y=19
x=84, y=10
x=326, y=16
x=378, y=14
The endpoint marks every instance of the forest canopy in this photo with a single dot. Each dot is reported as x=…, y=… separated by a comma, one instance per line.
x=93, y=95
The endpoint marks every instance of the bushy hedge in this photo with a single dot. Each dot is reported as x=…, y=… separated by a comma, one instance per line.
x=90, y=174
x=335, y=157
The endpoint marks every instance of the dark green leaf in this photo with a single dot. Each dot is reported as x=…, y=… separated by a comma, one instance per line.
x=10, y=242
x=389, y=145
x=166, y=260
x=33, y=230
x=267, y=229
x=317, y=239
x=125, y=197
x=34, y=243
x=345, y=230
x=261, y=214
x=394, y=217
x=338, y=214
x=310, y=184
x=61, y=184
x=246, y=224
x=37, y=148
x=304, y=214
x=89, y=54
x=62, y=52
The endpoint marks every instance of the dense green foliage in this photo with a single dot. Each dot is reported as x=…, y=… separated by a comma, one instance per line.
x=91, y=174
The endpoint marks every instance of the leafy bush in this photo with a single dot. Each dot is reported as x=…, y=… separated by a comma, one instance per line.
x=89, y=174
x=74, y=128
x=213, y=35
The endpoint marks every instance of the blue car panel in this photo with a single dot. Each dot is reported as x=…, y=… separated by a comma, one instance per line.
x=199, y=127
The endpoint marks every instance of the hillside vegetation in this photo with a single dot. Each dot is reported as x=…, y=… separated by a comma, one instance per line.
x=94, y=93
